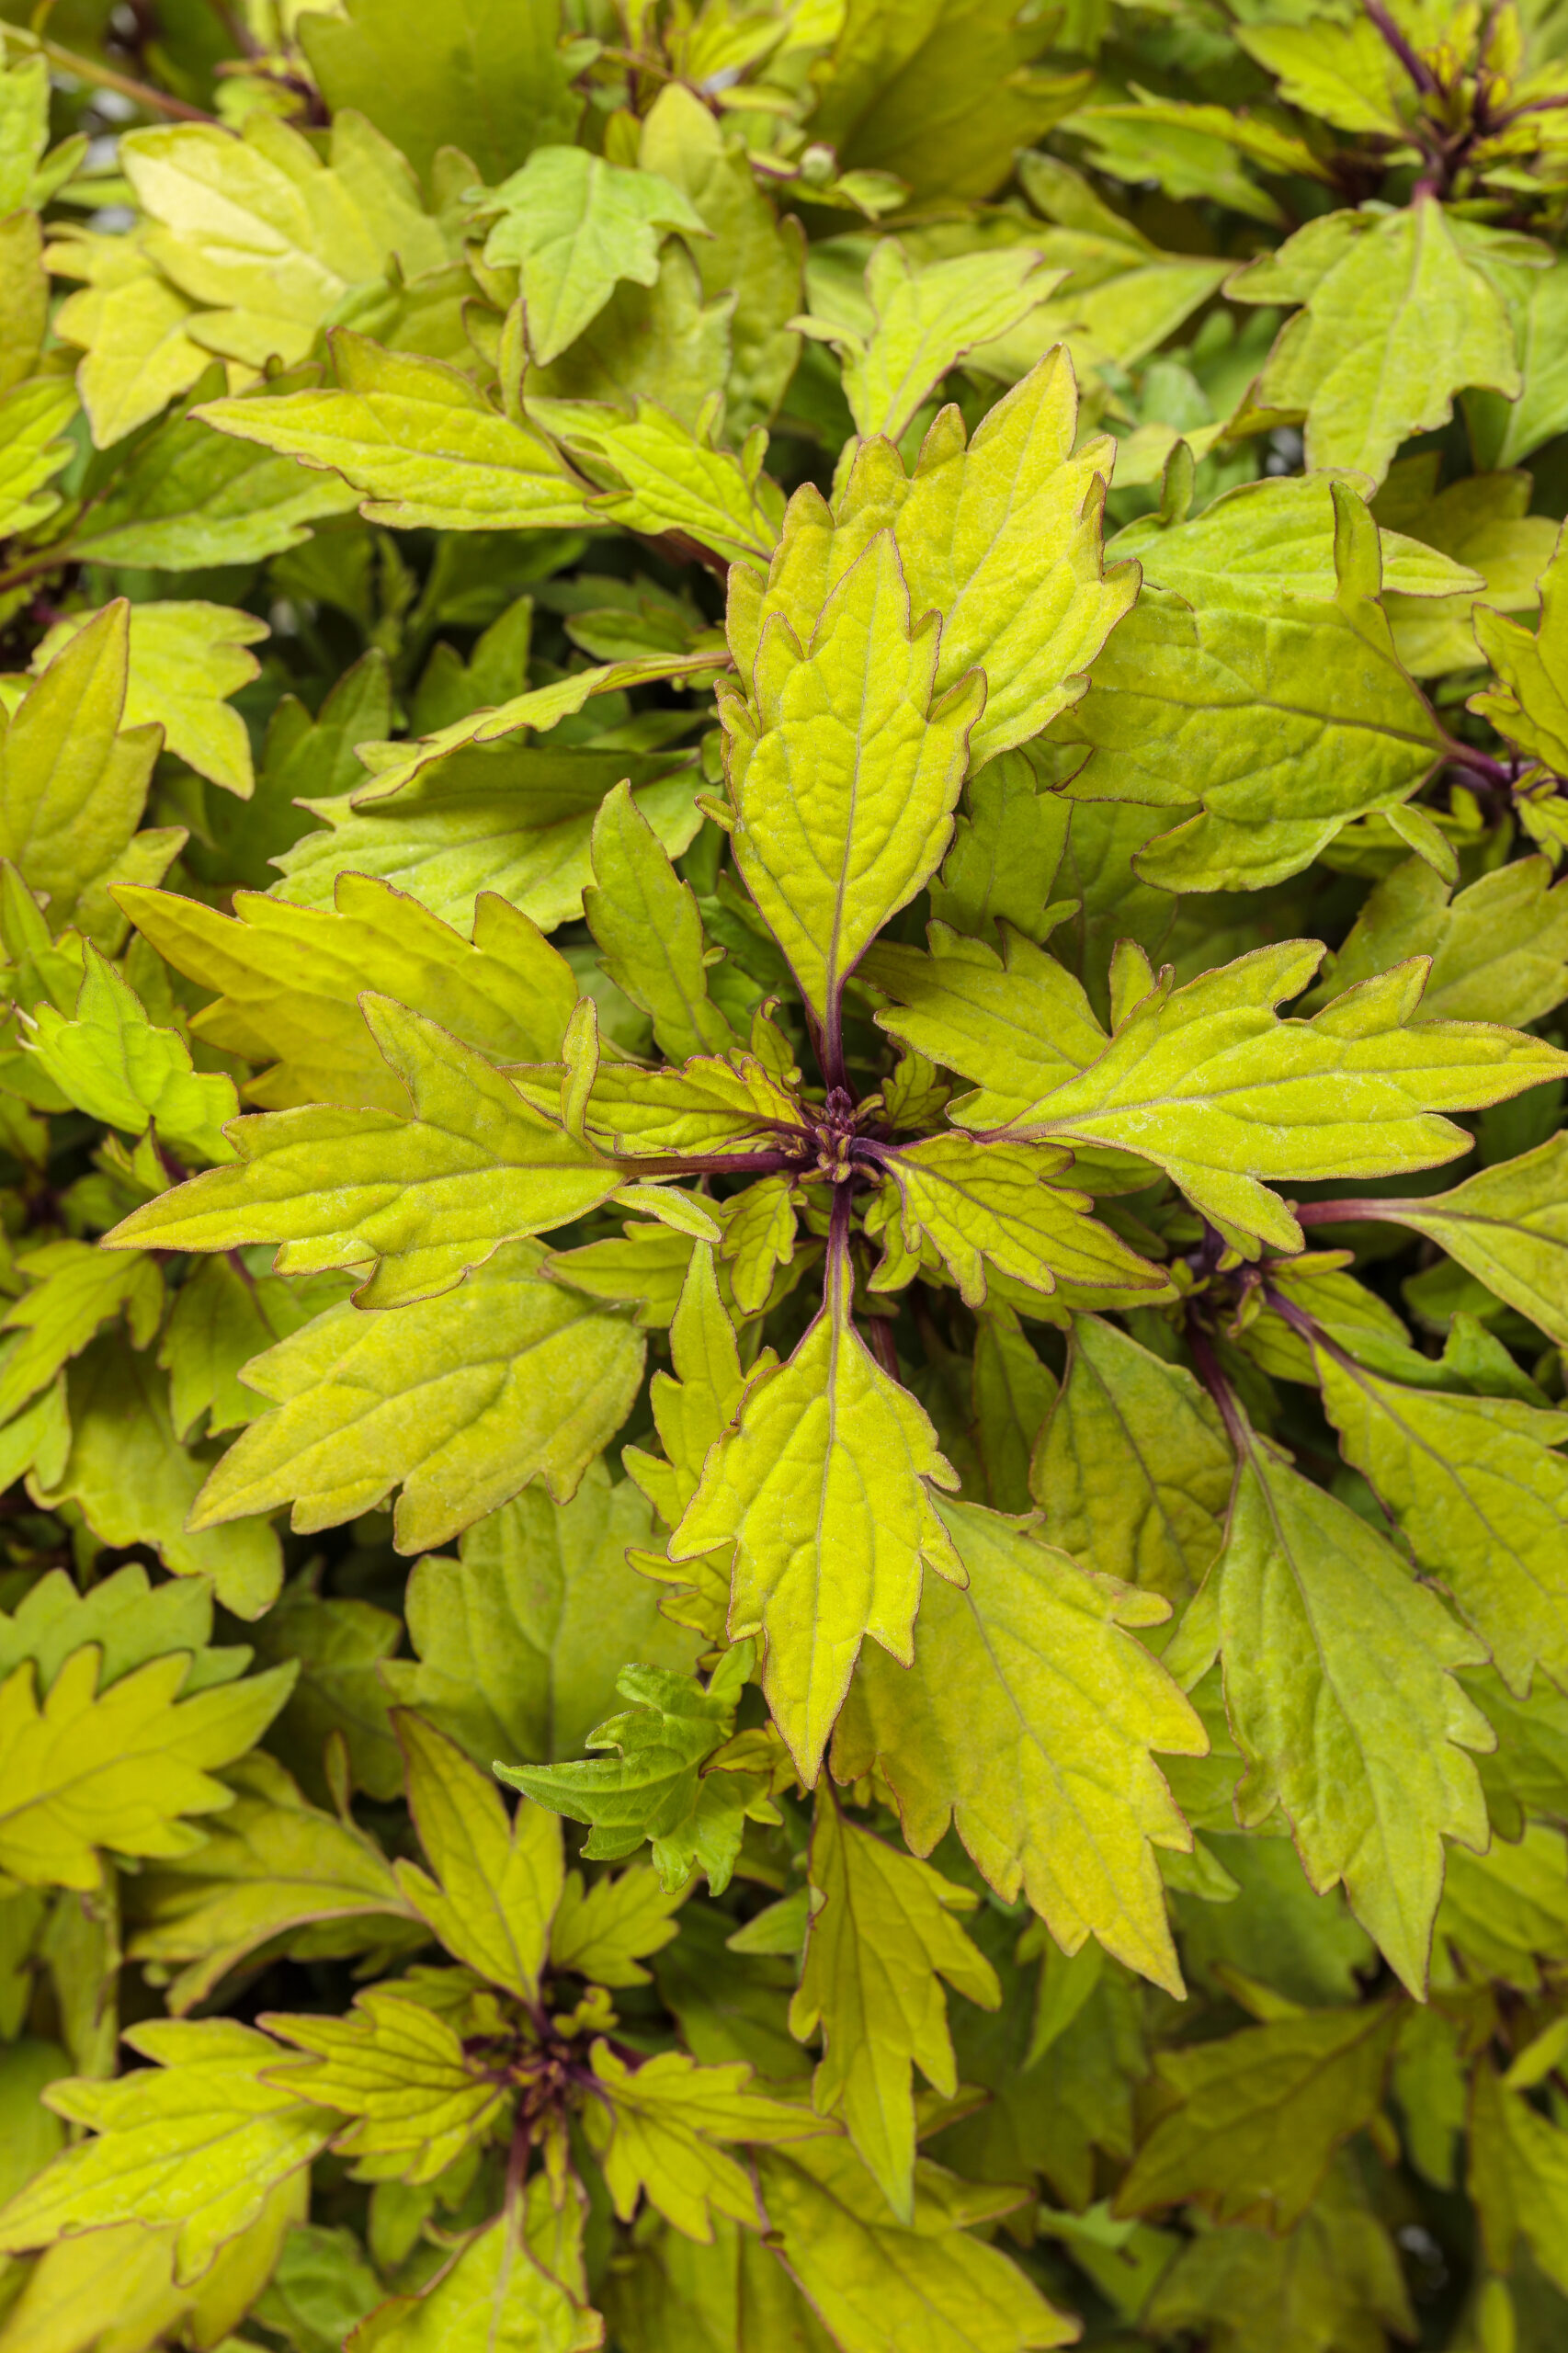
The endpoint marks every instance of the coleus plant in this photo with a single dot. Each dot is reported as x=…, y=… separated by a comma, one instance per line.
x=822, y=711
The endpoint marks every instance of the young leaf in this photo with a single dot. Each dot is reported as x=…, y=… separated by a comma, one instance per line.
x=517, y=2283
x=572, y=225
x=665, y=476
x=198, y=2141
x=1027, y=1722
x=498, y=1882
x=821, y=1482
x=660, y=2129
x=923, y=320
x=644, y=919
x=74, y=1290
x=114, y=1064
x=604, y=1933
x=845, y=779
x=878, y=1943
x=417, y=2098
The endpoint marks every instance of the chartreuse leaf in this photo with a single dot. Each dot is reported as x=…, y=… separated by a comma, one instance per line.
x=1484, y=523
x=400, y=2072
x=75, y=1289
x=288, y=982
x=604, y=1933
x=1287, y=717
x=1507, y=1226
x=1528, y=700
x=1345, y=74
x=644, y=919
x=515, y=2286
x=1018, y=1023
x=496, y=1882
x=821, y=1482
x=128, y=1621
x=660, y=2129
x=1207, y=1083
x=1001, y=536
x=881, y=1937
x=132, y=324
x=73, y=786
x=1504, y=1913
x=118, y=1767
x=1027, y=1722
x=923, y=320
x=461, y=1399
x=198, y=2141
x=844, y=778
x=270, y=1865
x=417, y=441
x=1519, y=2177
x=993, y=1204
x=425, y=1198
x=1477, y=1487
x=652, y=1786
x=759, y=1238
x=1396, y=320
x=572, y=225
x=665, y=477
x=1132, y=1467
x=881, y=2286
x=1252, y=2121
x=183, y=662
x=1339, y=1687
x=34, y=447
x=223, y=1314
x=673, y=2296
x=118, y=1066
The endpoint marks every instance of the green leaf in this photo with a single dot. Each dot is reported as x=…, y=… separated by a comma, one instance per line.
x=1518, y=2178
x=1507, y=1226
x=1339, y=1688
x=1499, y=949
x=223, y=1314
x=135, y=1483
x=980, y=1204
x=923, y=320
x=572, y=225
x=398, y=2070
x=1507, y=431
x=23, y=311
x=748, y=255
x=515, y=2286
x=653, y=1787
x=822, y=1482
x=198, y=2141
x=677, y=2296
x=880, y=1939
x=118, y=1767
x=1209, y=1085
x=417, y=441
x=1336, y=2278
x=1250, y=2123
x=1397, y=318
x=1027, y=1722
x=288, y=981
x=1482, y=523
x=73, y=786
x=1529, y=703
x=75, y=1289
x=425, y=1198
x=138, y=355
x=880, y=2285
x=497, y=84
x=1132, y=1469
x=663, y=477
x=1477, y=1488
x=115, y=1065
x=270, y=1866
x=660, y=2129
x=520, y=1639
x=128, y=1620
x=1348, y=75
x=340, y=1646
x=183, y=662
x=1286, y=722
x=645, y=919
x=1504, y=1913
x=497, y=1883
x=845, y=778
x=461, y=1399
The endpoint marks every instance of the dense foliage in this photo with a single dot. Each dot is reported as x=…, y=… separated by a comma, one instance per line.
x=784, y=1234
